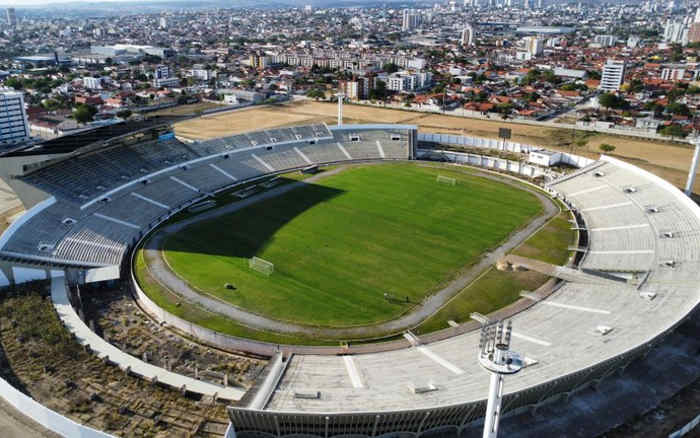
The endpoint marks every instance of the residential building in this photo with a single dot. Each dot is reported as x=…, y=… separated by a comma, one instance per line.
x=672, y=74
x=613, y=75
x=163, y=77
x=351, y=89
x=11, y=17
x=694, y=33
x=411, y=19
x=534, y=45
x=467, y=36
x=14, y=127
x=91, y=83
x=605, y=40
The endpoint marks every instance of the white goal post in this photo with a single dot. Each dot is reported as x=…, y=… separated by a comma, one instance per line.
x=262, y=266
x=446, y=180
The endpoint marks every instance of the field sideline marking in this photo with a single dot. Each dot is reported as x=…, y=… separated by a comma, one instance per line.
x=260, y=160
x=222, y=171
x=531, y=339
x=152, y=201
x=603, y=207
x=435, y=358
x=117, y=221
x=353, y=372
x=302, y=155
x=380, y=149
x=342, y=149
x=189, y=186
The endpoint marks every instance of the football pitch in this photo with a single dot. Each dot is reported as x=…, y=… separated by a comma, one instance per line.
x=355, y=248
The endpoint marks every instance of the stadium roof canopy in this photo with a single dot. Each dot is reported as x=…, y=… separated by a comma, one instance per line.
x=71, y=143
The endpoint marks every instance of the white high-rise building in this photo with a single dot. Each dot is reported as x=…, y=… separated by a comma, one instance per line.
x=163, y=23
x=633, y=41
x=534, y=45
x=11, y=17
x=162, y=77
x=605, y=40
x=675, y=32
x=468, y=36
x=613, y=75
x=672, y=74
x=410, y=20
x=14, y=127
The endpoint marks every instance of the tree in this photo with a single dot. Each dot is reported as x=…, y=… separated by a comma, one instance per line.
x=678, y=108
x=124, y=114
x=610, y=100
x=379, y=91
x=673, y=130
x=84, y=113
x=607, y=100
x=606, y=147
x=390, y=67
x=315, y=93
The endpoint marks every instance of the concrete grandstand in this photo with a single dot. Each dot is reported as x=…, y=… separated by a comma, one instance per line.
x=637, y=277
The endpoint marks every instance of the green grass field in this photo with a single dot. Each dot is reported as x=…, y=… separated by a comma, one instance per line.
x=496, y=289
x=339, y=245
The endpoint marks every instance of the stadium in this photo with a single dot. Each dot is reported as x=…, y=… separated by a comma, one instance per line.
x=336, y=258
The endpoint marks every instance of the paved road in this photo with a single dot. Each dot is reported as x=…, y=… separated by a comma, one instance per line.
x=162, y=273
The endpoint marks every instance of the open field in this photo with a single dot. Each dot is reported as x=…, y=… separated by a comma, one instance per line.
x=666, y=159
x=229, y=123
x=184, y=110
x=340, y=244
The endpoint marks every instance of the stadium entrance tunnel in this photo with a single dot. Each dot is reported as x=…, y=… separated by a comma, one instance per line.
x=247, y=234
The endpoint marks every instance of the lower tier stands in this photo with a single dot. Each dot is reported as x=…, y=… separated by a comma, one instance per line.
x=93, y=223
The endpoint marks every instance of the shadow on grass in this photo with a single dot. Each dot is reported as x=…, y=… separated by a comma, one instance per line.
x=245, y=232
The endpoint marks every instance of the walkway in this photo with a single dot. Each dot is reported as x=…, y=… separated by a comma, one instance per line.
x=162, y=273
x=14, y=424
x=103, y=349
x=568, y=274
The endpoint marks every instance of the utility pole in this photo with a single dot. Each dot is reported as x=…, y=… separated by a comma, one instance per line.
x=340, y=108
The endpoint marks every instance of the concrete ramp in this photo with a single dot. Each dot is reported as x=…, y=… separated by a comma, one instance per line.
x=562, y=272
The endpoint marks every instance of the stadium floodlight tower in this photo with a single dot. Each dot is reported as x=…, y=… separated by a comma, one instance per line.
x=694, y=165
x=496, y=357
x=340, y=108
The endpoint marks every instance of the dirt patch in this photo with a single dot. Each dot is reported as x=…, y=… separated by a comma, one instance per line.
x=666, y=159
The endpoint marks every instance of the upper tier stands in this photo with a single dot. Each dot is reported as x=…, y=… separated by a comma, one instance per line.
x=107, y=199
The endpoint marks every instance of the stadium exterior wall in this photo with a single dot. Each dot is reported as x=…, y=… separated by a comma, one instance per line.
x=490, y=143
x=485, y=161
